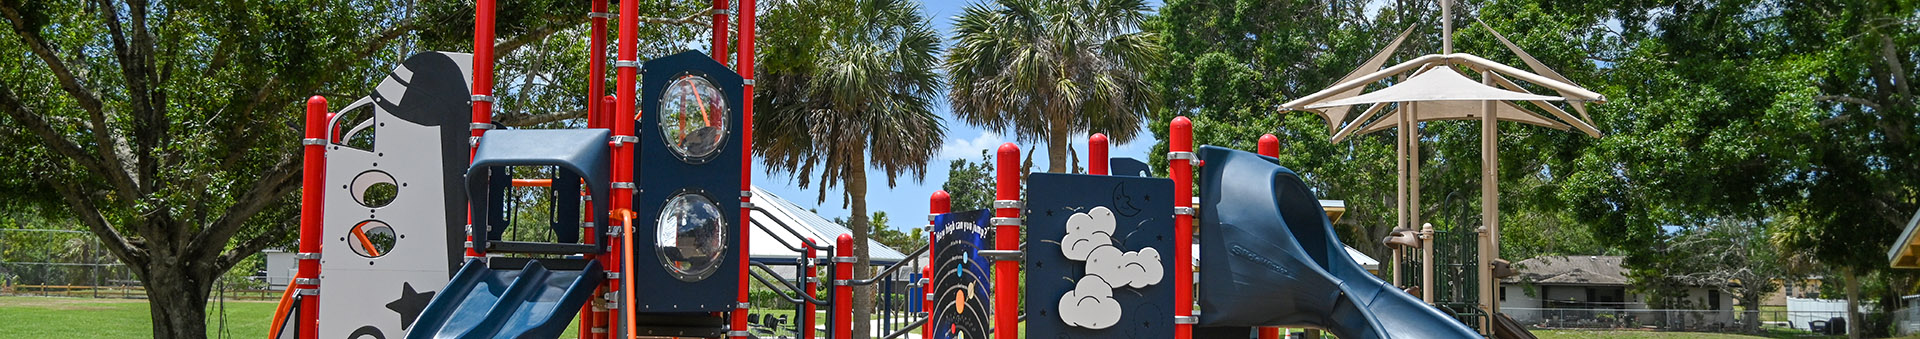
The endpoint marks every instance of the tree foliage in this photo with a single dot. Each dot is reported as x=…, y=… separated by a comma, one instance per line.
x=170, y=129
x=969, y=184
x=848, y=85
x=1049, y=70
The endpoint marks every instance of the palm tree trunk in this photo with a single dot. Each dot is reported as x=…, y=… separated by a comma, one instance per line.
x=862, y=295
x=1057, y=145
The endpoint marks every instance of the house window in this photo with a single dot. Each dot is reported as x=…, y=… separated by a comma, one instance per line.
x=1713, y=299
x=1503, y=294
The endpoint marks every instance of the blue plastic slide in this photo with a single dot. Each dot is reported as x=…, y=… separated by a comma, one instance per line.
x=528, y=303
x=1271, y=258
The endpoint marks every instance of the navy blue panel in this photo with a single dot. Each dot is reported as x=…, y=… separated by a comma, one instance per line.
x=1270, y=257
x=661, y=175
x=583, y=152
x=566, y=207
x=961, y=281
x=1140, y=210
x=1129, y=167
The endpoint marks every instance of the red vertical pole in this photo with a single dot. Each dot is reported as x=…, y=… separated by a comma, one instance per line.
x=842, y=289
x=313, y=182
x=1269, y=145
x=591, y=314
x=1006, y=273
x=1097, y=154
x=720, y=30
x=939, y=203
x=627, y=67
x=1180, y=164
x=745, y=68
x=812, y=284
x=482, y=67
x=482, y=99
x=596, y=64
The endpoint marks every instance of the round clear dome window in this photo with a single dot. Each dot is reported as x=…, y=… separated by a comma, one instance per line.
x=691, y=238
x=693, y=118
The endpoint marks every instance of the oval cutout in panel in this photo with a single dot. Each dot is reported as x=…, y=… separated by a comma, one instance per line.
x=374, y=189
x=372, y=239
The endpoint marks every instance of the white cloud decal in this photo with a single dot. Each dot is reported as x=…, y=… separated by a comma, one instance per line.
x=1090, y=305
x=1090, y=239
x=1126, y=269
x=1087, y=231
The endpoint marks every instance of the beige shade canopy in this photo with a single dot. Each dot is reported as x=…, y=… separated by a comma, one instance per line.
x=1437, y=84
x=1458, y=110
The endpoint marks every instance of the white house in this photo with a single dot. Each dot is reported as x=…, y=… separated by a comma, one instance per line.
x=1593, y=291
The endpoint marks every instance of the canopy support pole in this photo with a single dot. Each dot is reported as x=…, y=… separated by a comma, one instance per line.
x=1489, y=203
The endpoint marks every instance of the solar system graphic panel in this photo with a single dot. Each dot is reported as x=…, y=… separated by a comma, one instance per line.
x=960, y=282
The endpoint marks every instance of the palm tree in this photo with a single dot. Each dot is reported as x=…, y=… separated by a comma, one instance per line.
x=1048, y=70
x=849, y=84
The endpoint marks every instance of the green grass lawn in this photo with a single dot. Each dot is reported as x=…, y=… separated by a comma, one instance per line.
x=48, y=317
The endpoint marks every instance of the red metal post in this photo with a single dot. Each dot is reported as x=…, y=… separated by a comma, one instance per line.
x=1006, y=273
x=1180, y=151
x=482, y=100
x=745, y=69
x=312, y=195
x=842, y=289
x=1269, y=145
x=939, y=203
x=1097, y=154
x=812, y=284
x=720, y=31
x=627, y=68
x=603, y=318
x=596, y=65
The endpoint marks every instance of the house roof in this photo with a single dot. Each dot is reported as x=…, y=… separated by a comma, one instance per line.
x=771, y=240
x=1571, y=270
x=1905, y=252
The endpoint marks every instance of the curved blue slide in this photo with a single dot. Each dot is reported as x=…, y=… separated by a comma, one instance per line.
x=1273, y=259
x=532, y=302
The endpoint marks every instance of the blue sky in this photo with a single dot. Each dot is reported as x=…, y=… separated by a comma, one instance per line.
x=907, y=202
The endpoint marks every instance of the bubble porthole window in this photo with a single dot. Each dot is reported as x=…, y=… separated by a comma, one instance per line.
x=693, y=118
x=691, y=237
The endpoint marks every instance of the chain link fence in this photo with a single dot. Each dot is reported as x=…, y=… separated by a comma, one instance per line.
x=68, y=263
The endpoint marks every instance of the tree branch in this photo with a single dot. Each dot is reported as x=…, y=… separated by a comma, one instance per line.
x=134, y=54
x=256, y=244
x=112, y=169
x=524, y=120
x=1847, y=99
x=13, y=108
x=273, y=183
x=119, y=245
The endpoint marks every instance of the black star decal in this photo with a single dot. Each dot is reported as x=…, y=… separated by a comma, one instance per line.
x=410, y=304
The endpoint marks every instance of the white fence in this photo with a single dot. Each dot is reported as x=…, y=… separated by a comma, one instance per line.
x=1730, y=321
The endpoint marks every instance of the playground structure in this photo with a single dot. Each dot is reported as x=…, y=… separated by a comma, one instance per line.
x=646, y=236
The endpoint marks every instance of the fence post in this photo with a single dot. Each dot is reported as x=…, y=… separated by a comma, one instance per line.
x=812, y=283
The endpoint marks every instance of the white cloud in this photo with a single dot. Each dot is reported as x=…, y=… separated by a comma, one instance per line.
x=1135, y=269
x=969, y=149
x=1090, y=304
x=1087, y=231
